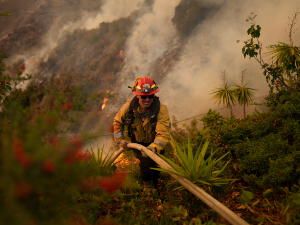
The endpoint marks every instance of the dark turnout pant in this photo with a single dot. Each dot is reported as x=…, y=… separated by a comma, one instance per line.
x=146, y=163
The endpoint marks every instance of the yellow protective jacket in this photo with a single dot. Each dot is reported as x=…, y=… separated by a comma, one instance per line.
x=143, y=131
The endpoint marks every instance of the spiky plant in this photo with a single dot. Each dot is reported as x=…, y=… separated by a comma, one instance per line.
x=99, y=159
x=195, y=168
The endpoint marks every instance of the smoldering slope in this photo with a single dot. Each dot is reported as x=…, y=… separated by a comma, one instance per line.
x=213, y=48
x=111, y=10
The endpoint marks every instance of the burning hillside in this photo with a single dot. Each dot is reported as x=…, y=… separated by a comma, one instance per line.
x=183, y=45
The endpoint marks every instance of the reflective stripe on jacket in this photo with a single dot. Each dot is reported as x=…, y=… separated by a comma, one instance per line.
x=143, y=130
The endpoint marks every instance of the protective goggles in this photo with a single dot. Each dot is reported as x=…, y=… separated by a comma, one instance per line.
x=147, y=96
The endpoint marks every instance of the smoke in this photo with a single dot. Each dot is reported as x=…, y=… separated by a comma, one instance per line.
x=110, y=10
x=209, y=50
x=149, y=40
x=212, y=48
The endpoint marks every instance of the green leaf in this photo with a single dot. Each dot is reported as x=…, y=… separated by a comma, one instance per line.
x=182, y=158
x=255, y=203
x=217, y=174
x=190, y=153
x=203, y=182
x=249, y=194
x=268, y=193
x=172, y=164
x=169, y=171
x=249, y=208
x=174, y=210
x=295, y=198
x=204, y=148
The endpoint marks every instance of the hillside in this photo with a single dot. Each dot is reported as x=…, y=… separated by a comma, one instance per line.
x=94, y=58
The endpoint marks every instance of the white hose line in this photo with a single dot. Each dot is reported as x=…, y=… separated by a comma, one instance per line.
x=116, y=155
x=222, y=210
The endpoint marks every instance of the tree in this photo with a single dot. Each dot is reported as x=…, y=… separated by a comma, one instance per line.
x=225, y=94
x=243, y=94
x=287, y=58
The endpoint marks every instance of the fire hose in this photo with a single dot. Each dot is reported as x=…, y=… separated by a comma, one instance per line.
x=222, y=210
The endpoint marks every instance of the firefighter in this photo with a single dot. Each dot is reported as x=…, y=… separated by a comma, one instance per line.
x=148, y=124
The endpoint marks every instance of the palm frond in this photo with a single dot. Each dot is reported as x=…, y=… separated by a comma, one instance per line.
x=225, y=94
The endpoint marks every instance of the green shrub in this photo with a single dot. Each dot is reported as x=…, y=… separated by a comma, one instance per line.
x=263, y=143
x=42, y=176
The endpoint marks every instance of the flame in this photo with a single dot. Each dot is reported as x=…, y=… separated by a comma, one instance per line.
x=121, y=54
x=107, y=115
x=107, y=91
x=126, y=162
x=104, y=102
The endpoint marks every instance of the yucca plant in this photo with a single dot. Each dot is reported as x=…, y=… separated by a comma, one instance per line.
x=99, y=158
x=244, y=95
x=194, y=168
x=226, y=95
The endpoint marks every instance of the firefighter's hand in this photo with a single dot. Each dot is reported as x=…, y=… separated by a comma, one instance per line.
x=153, y=149
x=123, y=144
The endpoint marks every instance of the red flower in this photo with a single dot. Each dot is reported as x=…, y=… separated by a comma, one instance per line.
x=66, y=106
x=49, y=166
x=88, y=110
x=20, y=154
x=75, y=152
x=49, y=90
x=23, y=189
x=110, y=185
x=82, y=156
x=22, y=67
x=75, y=156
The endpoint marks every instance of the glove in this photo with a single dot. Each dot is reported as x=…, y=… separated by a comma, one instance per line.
x=151, y=148
x=123, y=144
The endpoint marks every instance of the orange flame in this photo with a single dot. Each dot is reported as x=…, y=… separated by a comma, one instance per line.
x=104, y=102
x=107, y=115
x=107, y=91
x=125, y=162
x=121, y=54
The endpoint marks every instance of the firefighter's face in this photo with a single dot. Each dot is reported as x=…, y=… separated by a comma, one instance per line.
x=145, y=103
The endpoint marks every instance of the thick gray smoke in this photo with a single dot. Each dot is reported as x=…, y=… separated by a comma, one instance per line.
x=213, y=48
x=150, y=38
